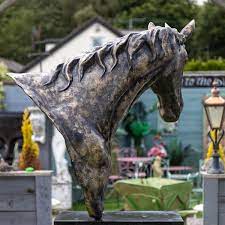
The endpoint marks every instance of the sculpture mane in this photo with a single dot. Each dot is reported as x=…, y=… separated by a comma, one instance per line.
x=130, y=44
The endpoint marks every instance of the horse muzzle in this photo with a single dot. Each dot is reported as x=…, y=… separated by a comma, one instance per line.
x=170, y=111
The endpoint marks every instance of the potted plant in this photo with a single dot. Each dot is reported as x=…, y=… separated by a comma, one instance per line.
x=137, y=126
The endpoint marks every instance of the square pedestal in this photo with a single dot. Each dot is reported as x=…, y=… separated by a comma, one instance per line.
x=214, y=199
x=121, y=217
x=25, y=198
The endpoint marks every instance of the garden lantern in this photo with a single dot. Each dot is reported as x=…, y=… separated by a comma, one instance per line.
x=214, y=108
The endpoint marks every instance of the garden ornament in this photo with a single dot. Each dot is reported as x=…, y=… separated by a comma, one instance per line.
x=87, y=97
x=157, y=168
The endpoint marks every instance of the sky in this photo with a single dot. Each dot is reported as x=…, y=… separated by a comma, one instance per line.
x=200, y=1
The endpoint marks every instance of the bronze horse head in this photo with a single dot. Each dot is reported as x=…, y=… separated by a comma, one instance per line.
x=87, y=97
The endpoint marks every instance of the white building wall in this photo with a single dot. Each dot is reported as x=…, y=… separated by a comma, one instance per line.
x=49, y=46
x=76, y=46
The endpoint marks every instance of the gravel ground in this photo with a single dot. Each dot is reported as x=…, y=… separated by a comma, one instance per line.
x=194, y=221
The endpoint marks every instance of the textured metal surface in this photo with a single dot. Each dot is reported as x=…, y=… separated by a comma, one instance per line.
x=87, y=97
x=124, y=217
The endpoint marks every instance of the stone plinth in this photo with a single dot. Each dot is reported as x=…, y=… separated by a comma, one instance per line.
x=121, y=217
x=214, y=199
x=25, y=198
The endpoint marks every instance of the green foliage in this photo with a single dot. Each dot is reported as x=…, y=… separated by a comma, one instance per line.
x=136, y=125
x=135, y=122
x=84, y=14
x=174, y=12
x=18, y=22
x=139, y=128
x=3, y=72
x=199, y=65
x=3, y=77
x=210, y=32
x=56, y=18
x=2, y=96
x=183, y=155
x=175, y=152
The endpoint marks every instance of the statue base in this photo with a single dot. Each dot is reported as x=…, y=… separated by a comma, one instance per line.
x=121, y=217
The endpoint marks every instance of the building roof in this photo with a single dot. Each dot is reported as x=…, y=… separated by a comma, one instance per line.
x=49, y=40
x=11, y=65
x=125, y=32
x=216, y=73
x=69, y=37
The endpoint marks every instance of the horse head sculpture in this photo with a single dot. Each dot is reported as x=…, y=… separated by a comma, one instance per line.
x=87, y=97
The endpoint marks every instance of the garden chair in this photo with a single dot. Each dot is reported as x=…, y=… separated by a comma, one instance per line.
x=198, y=189
x=187, y=177
x=120, y=170
x=180, y=176
x=126, y=168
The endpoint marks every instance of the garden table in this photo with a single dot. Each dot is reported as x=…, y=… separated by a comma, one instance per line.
x=155, y=193
x=136, y=161
x=178, y=168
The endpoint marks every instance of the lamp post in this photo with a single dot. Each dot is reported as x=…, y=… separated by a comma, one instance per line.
x=214, y=108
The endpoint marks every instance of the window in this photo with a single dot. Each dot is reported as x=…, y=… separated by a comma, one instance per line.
x=97, y=41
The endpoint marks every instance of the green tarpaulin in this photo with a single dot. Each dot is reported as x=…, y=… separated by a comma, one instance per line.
x=154, y=194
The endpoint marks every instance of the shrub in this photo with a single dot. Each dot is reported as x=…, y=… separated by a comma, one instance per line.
x=2, y=96
x=3, y=77
x=175, y=152
x=199, y=65
x=29, y=156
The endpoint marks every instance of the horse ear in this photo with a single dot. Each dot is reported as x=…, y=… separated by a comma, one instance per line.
x=166, y=25
x=150, y=25
x=188, y=30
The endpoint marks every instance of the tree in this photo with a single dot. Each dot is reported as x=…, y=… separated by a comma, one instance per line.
x=176, y=13
x=17, y=23
x=3, y=77
x=6, y=4
x=210, y=33
x=57, y=18
x=84, y=14
x=220, y=3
